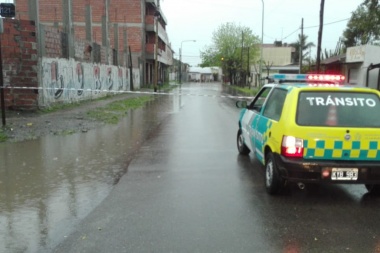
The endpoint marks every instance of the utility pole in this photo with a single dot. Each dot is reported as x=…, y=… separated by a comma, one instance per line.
x=320, y=32
x=309, y=58
x=301, y=47
x=248, y=71
x=180, y=59
x=262, y=44
x=241, y=59
x=157, y=17
x=180, y=66
x=2, y=84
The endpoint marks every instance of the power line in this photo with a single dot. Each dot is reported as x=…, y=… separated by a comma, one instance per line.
x=190, y=55
x=290, y=34
x=316, y=26
x=327, y=23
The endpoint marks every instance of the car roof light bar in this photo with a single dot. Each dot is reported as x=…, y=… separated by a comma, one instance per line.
x=281, y=78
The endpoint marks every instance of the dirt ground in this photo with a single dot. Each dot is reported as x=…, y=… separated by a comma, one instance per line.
x=23, y=125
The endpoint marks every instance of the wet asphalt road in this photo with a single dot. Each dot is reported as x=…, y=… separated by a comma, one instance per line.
x=188, y=190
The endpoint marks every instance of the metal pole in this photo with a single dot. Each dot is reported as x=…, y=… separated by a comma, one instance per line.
x=180, y=64
x=180, y=59
x=262, y=44
x=301, y=48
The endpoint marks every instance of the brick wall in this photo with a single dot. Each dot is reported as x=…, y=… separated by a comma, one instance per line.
x=83, y=50
x=53, y=42
x=20, y=59
x=128, y=13
x=19, y=43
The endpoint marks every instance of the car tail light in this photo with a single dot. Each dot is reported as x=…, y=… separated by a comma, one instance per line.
x=292, y=146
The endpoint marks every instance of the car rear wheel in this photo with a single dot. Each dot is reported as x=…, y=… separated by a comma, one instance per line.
x=243, y=149
x=373, y=188
x=273, y=181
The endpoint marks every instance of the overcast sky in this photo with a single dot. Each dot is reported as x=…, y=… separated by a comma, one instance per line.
x=198, y=19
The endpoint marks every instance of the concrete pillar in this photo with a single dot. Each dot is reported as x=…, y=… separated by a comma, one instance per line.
x=89, y=34
x=105, y=30
x=68, y=26
x=88, y=21
x=33, y=7
x=125, y=47
x=116, y=42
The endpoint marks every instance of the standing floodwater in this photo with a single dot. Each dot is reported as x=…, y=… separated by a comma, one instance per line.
x=48, y=185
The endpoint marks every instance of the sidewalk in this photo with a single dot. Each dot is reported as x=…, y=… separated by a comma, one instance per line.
x=24, y=125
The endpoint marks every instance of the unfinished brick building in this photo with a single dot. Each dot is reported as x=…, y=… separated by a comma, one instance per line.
x=130, y=30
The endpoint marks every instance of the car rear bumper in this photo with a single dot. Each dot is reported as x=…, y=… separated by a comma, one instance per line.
x=301, y=170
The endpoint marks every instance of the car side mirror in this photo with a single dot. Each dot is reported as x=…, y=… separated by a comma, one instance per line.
x=241, y=104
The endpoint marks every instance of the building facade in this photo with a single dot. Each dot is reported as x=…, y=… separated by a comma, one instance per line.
x=277, y=58
x=360, y=65
x=133, y=31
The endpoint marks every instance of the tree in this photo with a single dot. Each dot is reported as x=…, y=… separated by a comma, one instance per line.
x=268, y=65
x=233, y=48
x=305, y=46
x=364, y=25
x=327, y=54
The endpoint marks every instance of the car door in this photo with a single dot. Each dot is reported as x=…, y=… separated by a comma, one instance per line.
x=266, y=124
x=249, y=120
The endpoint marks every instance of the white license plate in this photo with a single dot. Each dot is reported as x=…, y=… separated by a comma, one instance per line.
x=344, y=174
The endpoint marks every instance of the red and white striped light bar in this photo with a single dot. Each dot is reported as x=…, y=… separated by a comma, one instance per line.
x=320, y=77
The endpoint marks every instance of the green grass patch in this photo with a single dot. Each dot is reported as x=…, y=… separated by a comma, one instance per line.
x=66, y=132
x=131, y=103
x=245, y=90
x=62, y=106
x=57, y=107
x=165, y=87
x=105, y=116
x=3, y=136
x=112, y=112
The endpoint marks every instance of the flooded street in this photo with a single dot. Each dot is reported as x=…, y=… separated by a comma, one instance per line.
x=168, y=178
x=49, y=184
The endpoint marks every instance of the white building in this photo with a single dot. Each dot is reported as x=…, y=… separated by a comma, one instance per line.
x=359, y=62
x=207, y=74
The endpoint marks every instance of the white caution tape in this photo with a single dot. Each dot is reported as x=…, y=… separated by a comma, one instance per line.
x=130, y=92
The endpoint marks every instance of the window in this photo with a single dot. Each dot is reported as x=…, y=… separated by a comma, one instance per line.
x=353, y=75
x=259, y=100
x=341, y=109
x=273, y=107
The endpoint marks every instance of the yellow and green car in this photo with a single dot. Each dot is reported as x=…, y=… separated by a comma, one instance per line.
x=313, y=129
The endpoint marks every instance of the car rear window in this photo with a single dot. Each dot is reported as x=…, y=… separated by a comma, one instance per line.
x=341, y=109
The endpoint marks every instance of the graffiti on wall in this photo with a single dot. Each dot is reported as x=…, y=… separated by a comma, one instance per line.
x=109, y=79
x=80, y=78
x=120, y=78
x=98, y=82
x=67, y=81
x=56, y=80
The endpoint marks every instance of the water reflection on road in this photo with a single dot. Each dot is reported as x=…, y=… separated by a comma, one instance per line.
x=48, y=185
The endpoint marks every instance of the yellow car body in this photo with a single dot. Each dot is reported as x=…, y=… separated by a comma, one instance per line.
x=314, y=132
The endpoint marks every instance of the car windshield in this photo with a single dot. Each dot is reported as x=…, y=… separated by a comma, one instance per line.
x=341, y=109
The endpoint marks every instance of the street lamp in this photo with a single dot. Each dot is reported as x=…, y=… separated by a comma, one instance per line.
x=262, y=44
x=180, y=59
